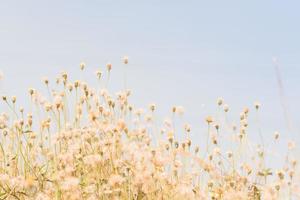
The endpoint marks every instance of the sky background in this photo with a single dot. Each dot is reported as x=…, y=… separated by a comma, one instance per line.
x=185, y=53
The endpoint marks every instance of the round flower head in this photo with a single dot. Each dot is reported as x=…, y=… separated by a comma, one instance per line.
x=98, y=74
x=257, y=105
x=82, y=65
x=152, y=107
x=179, y=110
x=45, y=80
x=276, y=135
x=108, y=66
x=220, y=101
x=14, y=99
x=125, y=59
x=187, y=128
x=31, y=91
x=209, y=119
x=291, y=145
x=226, y=108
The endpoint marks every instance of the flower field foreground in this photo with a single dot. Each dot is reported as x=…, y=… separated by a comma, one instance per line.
x=85, y=143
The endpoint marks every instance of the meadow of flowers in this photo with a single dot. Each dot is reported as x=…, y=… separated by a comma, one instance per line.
x=82, y=142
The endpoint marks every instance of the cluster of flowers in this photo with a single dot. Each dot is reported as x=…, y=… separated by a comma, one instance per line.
x=86, y=143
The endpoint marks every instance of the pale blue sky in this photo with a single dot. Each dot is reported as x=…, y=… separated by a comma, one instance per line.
x=181, y=52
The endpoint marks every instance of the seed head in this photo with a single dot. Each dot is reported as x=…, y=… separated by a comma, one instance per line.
x=209, y=119
x=125, y=59
x=291, y=145
x=257, y=105
x=217, y=126
x=76, y=84
x=229, y=154
x=173, y=109
x=46, y=80
x=187, y=128
x=31, y=91
x=197, y=149
x=108, y=66
x=70, y=87
x=276, y=135
x=64, y=75
x=180, y=110
x=98, y=74
x=280, y=174
x=226, y=108
x=220, y=101
x=82, y=66
x=152, y=107
x=14, y=99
